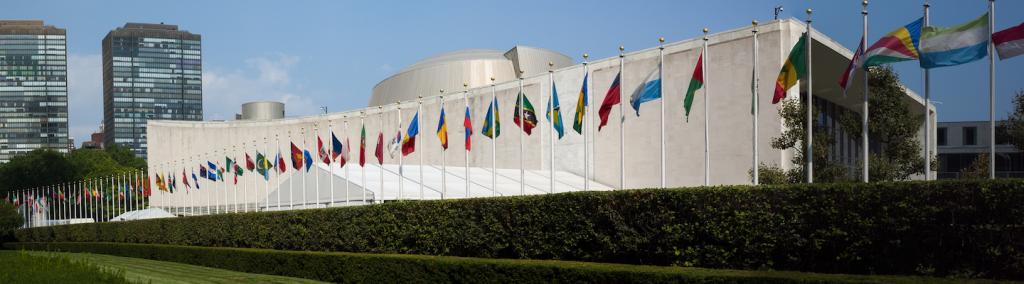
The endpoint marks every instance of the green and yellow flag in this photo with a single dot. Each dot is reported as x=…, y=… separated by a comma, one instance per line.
x=794, y=69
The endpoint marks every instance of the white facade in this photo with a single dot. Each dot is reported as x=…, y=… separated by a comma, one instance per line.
x=177, y=144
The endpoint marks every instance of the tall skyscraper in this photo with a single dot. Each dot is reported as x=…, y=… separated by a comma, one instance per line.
x=33, y=88
x=150, y=71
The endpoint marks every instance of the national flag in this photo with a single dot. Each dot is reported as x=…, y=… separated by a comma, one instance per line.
x=793, y=69
x=581, y=106
x=202, y=171
x=262, y=164
x=442, y=130
x=195, y=180
x=362, y=146
x=957, y=45
x=307, y=158
x=229, y=164
x=409, y=142
x=395, y=144
x=322, y=152
x=379, y=152
x=495, y=130
x=238, y=172
x=184, y=178
x=335, y=146
x=248, y=162
x=468, y=125
x=896, y=46
x=612, y=98
x=212, y=175
x=847, y=78
x=280, y=164
x=696, y=82
x=648, y=91
x=554, y=112
x=1009, y=42
x=159, y=185
x=344, y=157
x=296, y=157
x=526, y=109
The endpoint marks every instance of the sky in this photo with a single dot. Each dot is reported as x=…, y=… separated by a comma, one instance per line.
x=310, y=54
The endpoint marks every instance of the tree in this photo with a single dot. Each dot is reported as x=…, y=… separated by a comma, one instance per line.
x=35, y=169
x=10, y=220
x=978, y=169
x=1015, y=122
x=897, y=152
x=124, y=156
x=794, y=114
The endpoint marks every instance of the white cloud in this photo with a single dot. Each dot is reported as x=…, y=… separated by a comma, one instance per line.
x=264, y=78
x=85, y=95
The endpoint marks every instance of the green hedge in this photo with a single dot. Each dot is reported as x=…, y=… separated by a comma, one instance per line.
x=20, y=267
x=958, y=228
x=398, y=268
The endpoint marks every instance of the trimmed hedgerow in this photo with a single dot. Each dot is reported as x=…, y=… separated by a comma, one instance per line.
x=399, y=268
x=948, y=228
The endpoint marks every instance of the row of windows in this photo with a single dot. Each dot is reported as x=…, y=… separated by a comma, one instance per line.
x=33, y=67
x=31, y=41
x=31, y=46
x=31, y=36
x=21, y=80
x=20, y=89
x=30, y=51
x=969, y=136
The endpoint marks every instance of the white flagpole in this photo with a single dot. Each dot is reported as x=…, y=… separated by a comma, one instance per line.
x=305, y=171
x=707, y=115
x=235, y=186
x=661, y=78
x=586, y=134
x=330, y=167
x=928, y=117
x=622, y=118
x=551, y=129
x=991, y=93
x=401, y=160
x=291, y=177
x=362, y=153
x=494, y=140
x=348, y=182
x=465, y=101
x=810, y=105
x=754, y=106
x=419, y=125
x=522, y=133
x=266, y=181
x=223, y=180
x=864, y=108
x=444, y=153
x=380, y=163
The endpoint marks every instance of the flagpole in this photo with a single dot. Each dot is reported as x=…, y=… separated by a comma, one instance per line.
x=316, y=192
x=223, y=182
x=707, y=86
x=927, y=101
x=266, y=180
x=810, y=105
x=586, y=134
x=235, y=186
x=401, y=159
x=380, y=140
x=362, y=155
x=419, y=108
x=465, y=100
x=291, y=177
x=305, y=174
x=551, y=130
x=991, y=92
x=754, y=107
x=622, y=118
x=522, y=126
x=661, y=62
x=444, y=152
x=330, y=167
x=864, y=116
x=494, y=140
x=348, y=199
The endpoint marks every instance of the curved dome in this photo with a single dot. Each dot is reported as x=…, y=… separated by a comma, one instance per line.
x=471, y=66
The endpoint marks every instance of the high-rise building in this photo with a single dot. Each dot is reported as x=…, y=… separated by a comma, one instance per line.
x=33, y=88
x=150, y=71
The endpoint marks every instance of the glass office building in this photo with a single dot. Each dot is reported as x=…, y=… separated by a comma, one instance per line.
x=150, y=71
x=33, y=88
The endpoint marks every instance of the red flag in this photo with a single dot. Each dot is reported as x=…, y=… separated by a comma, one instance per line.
x=249, y=163
x=611, y=99
x=280, y=164
x=324, y=157
x=362, y=146
x=296, y=157
x=380, y=149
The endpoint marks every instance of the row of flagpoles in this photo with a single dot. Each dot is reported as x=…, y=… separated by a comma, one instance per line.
x=916, y=41
x=90, y=200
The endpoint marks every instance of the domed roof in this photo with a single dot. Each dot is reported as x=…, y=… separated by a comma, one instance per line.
x=457, y=55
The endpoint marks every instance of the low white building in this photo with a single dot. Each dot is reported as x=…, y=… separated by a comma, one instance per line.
x=181, y=145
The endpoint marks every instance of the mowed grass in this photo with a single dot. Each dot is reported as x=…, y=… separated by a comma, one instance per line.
x=139, y=270
x=30, y=267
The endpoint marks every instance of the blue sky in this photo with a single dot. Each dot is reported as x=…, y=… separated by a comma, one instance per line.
x=331, y=53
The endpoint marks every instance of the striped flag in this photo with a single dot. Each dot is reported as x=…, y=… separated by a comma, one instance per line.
x=794, y=68
x=468, y=125
x=847, y=78
x=611, y=99
x=1009, y=42
x=492, y=131
x=648, y=91
x=554, y=113
x=581, y=107
x=896, y=46
x=362, y=146
x=442, y=130
x=696, y=82
x=957, y=45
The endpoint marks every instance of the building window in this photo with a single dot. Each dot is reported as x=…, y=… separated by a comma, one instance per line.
x=1002, y=137
x=970, y=135
x=941, y=137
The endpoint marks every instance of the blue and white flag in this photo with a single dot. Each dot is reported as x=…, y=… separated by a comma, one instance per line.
x=957, y=45
x=648, y=91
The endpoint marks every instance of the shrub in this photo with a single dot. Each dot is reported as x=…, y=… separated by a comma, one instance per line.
x=19, y=267
x=391, y=268
x=948, y=228
x=10, y=220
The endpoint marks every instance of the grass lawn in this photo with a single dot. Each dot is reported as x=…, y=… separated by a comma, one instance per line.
x=152, y=271
x=29, y=267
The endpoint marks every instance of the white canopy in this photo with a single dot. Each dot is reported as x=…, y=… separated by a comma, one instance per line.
x=151, y=213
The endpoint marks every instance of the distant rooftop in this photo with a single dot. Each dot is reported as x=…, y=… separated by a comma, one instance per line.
x=153, y=30
x=28, y=27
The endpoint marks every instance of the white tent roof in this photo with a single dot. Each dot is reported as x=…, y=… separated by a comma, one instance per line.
x=150, y=213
